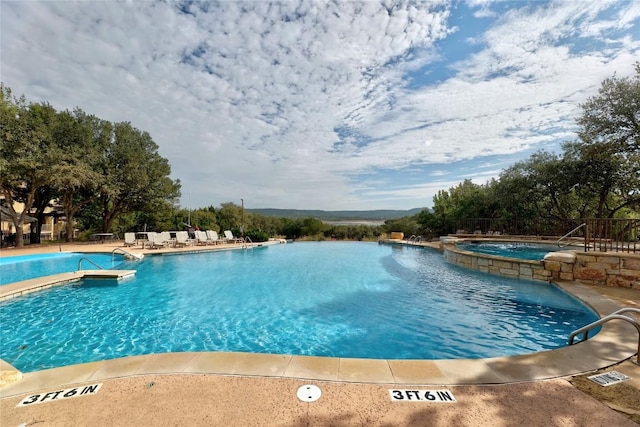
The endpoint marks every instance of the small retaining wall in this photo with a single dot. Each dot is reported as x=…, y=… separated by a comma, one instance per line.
x=599, y=268
x=508, y=267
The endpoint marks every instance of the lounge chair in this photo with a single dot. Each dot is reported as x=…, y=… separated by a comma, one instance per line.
x=182, y=239
x=151, y=235
x=230, y=239
x=213, y=237
x=166, y=238
x=130, y=239
x=156, y=241
x=201, y=237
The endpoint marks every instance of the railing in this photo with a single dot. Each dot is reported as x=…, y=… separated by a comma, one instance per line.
x=246, y=241
x=615, y=315
x=569, y=234
x=414, y=239
x=126, y=253
x=597, y=234
x=513, y=226
x=87, y=259
x=612, y=235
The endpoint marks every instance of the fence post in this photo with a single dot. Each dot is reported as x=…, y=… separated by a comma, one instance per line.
x=587, y=235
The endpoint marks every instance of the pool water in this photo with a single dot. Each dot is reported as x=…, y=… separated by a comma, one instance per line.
x=519, y=250
x=324, y=299
x=24, y=267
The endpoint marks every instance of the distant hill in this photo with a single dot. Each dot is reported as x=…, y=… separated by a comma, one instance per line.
x=375, y=215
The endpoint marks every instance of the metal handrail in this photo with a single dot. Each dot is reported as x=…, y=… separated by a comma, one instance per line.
x=615, y=315
x=570, y=233
x=244, y=242
x=113, y=254
x=87, y=259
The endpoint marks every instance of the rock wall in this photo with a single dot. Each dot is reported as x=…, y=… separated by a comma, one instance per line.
x=517, y=269
x=601, y=268
x=609, y=269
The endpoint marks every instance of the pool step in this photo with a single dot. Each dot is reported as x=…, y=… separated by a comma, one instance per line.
x=16, y=289
x=107, y=274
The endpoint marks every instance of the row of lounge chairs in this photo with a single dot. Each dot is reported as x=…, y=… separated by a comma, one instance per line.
x=489, y=233
x=164, y=239
x=211, y=237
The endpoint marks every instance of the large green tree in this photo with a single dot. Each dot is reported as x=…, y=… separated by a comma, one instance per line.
x=95, y=169
x=608, y=151
x=26, y=160
x=79, y=142
x=606, y=181
x=230, y=216
x=540, y=186
x=613, y=115
x=136, y=176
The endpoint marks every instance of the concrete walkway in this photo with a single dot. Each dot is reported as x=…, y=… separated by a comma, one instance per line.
x=248, y=389
x=217, y=400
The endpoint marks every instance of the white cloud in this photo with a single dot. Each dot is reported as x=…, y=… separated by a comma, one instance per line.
x=290, y=104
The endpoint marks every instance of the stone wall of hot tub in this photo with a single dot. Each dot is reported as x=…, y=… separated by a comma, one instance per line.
x=508, y=267
x=600, y=268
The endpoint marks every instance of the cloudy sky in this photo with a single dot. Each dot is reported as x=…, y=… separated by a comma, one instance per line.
x=324, y=105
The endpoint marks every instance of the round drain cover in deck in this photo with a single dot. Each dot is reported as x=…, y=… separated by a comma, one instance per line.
x=309, y=393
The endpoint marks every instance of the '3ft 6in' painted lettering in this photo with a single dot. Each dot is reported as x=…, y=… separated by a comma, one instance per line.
x=421, y=395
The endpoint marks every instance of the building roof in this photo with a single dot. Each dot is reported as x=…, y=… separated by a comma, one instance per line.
x=5, y=215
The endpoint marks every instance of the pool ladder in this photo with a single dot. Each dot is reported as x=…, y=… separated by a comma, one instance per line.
x=84, y=258
x=245, y=243
x=615, y=315
x=127, y=254
x=113, y=257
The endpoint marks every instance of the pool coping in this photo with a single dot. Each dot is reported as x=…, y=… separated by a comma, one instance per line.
x=616, y=342
x=16, y=289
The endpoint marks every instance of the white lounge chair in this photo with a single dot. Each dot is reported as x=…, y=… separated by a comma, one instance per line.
x=230, y=239
x=182, y=239
x=150, y=239
x=213, y=237
x=130, y=239
x=166, y=238
x=156, y=241
x=201, y=237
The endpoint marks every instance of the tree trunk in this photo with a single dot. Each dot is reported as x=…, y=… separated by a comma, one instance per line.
x=19, y=242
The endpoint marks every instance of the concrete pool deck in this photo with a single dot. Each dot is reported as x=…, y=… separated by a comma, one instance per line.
x=254, y=389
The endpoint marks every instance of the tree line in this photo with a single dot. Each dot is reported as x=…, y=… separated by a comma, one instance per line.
x=109, y=177
x=101, y=173
x=259, y=227
x=595, y=176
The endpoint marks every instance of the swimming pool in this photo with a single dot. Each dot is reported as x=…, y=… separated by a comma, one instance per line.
x=324, y=299
x=519, y=250
x=24, y=267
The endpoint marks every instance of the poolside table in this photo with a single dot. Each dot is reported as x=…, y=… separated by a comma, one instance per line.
x=101, y=237
x=142, y=237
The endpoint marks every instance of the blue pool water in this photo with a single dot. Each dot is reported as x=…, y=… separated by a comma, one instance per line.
x=24, y=267
x=325, y=299
x=519, y=250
